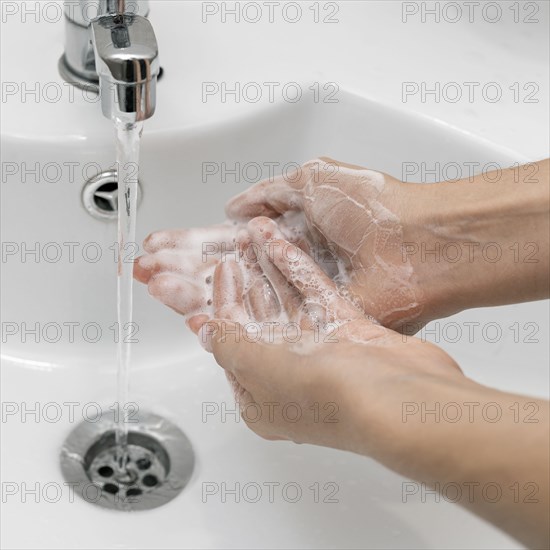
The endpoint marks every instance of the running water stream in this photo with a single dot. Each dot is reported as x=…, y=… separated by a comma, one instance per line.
x=127, y=148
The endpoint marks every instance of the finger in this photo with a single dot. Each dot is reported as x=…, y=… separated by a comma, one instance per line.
x=191, y=238
x=140, y=274
x=262, y=230
x=228, y=292
x=269, y=198
x=294, y=228
x=174, y=261
x=248, y=256
x=196, y=321
x=260, y=299
x=181, y=295
x=165, y=260
x=275, y=196
x=322, y=298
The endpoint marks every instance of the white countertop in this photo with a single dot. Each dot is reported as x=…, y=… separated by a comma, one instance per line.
x=369, y=51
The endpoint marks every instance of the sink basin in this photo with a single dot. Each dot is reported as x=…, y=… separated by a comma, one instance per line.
x=346, y=500
x=186, y=178
x=58, y=349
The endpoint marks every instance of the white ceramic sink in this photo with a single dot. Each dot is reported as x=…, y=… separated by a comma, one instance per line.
x=179, y=189
x=174, y=377
x=171, y=375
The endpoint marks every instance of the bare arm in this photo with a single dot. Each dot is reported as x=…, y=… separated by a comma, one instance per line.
x=482, y=241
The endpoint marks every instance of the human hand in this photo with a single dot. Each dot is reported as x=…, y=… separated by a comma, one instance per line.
x=411, y=253
x=180, y=269
x=365, y=388
x=405, y=253
x=275, y=289
x=355, y=219
x=348, y=227
x=326, y=374
x=346, y=367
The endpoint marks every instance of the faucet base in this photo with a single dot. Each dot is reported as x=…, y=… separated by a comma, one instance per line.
x=76, y=79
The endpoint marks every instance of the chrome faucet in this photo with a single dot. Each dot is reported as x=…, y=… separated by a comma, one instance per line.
x=111, y=48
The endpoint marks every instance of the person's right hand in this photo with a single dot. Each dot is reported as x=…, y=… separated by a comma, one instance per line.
x=367, y=389
x=326, y=351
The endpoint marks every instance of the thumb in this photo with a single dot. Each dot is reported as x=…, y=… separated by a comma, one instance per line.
x=269, y=198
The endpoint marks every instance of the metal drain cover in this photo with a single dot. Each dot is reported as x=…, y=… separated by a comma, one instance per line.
x=100, y=195
x=159, y=463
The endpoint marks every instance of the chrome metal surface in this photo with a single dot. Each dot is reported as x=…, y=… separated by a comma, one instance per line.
x=76, y=79
x=111, y=46
x=126, y=57
x=100, y=195
x=83, y=12
x=159, y=463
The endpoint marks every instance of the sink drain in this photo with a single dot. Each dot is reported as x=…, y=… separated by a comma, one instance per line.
x=158, y=463
x=100, y=195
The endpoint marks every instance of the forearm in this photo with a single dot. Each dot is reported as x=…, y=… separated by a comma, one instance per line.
x=482, y=241
x=482, y=448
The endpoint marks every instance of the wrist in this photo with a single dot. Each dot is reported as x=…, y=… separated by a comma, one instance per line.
x=412, y=429
x=399, y=392
x=469, y=242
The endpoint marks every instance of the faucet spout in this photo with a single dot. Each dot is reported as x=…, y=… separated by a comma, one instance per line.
x=126, y=60
x=111, y=48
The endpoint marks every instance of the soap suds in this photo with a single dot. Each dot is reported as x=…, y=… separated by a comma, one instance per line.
x=337, y=244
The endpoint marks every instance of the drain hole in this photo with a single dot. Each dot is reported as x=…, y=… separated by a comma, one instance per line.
x=123, y=461
x=110, y=488
x=106, y=197
x=143, y=463
x=149, y=480
x=105, y=471
x=100, y=195
x=160, y=462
